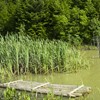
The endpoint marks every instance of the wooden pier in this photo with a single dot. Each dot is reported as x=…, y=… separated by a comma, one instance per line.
x=45, y=88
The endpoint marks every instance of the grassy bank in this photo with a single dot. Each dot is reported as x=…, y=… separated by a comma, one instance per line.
x=20, y=54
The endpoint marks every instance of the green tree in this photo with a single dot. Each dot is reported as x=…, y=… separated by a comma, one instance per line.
x=68, y=20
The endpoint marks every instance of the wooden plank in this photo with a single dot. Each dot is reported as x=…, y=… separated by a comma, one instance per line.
x=40, y=85
x=71, y=93
x=45, y=88
x=12, y=82
x=57, y=92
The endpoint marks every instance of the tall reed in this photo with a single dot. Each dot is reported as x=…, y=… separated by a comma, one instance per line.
x=20, y=54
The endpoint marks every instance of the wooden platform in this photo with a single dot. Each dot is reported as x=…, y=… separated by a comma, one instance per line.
x=45, y=88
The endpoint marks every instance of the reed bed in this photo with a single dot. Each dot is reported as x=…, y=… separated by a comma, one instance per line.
x=20, y=54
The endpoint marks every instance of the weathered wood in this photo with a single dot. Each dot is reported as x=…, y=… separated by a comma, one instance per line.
x=71, y=93
x=12, y=82
x=40, y=86
x=45, y=88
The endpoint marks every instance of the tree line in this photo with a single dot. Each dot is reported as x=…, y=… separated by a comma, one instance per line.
x=68, y=20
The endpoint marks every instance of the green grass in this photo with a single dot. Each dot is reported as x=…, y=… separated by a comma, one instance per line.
x=12, y=94
x=20, y=54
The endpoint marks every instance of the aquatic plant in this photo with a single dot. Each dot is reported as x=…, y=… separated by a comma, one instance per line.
x=12, y=94
x=20, y=54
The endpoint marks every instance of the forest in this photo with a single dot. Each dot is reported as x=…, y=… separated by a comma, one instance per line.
x=68, y=20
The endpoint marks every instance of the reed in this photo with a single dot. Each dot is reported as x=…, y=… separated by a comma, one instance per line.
x=20, y=54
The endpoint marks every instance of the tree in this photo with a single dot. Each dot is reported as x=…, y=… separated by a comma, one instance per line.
x=52, y=19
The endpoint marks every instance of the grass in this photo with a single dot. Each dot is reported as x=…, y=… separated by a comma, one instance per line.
x=20, y=54
x=12, y=94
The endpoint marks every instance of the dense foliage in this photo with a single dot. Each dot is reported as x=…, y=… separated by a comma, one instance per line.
x=69, y=20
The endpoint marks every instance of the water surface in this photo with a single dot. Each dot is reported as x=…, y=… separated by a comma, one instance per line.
x=89, y=77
